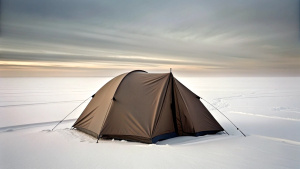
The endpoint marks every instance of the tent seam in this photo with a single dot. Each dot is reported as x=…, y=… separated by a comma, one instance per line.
x=161, y=106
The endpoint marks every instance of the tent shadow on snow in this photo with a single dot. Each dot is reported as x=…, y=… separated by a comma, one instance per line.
x=186, y=140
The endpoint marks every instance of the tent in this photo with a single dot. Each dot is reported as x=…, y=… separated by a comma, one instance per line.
x=145, y=107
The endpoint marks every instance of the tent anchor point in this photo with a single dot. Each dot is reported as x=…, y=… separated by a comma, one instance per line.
x=226, y=117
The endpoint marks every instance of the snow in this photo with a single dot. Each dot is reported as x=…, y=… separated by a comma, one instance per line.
x=266, y=109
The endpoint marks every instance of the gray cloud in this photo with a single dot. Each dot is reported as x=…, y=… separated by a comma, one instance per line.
x=236, y=35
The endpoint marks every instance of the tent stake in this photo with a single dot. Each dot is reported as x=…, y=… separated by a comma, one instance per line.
x=226, y=132
x=224, y=116
x=70, y=113
x=98, y=138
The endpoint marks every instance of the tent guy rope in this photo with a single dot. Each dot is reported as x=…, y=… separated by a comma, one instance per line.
x=71, y=112
x=31, y=104
x=224, y=116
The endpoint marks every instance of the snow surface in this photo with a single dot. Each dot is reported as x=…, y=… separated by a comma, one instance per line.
x=267, y=110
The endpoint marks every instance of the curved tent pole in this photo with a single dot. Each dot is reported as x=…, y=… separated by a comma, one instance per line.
x=224, y=116
x=125, y=77
x=71, y=112
x=114, y=99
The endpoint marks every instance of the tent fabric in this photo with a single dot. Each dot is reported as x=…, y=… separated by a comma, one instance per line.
x=145, y=107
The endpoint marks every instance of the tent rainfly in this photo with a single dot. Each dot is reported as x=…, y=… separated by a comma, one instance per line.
x=145, y=107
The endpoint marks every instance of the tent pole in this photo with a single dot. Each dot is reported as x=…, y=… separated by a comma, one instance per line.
x=173, y=105
x=224, y=116
x=70, y=113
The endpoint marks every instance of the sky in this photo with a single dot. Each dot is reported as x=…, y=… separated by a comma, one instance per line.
x=105, y=38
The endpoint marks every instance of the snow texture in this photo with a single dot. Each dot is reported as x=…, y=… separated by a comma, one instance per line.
x=266, y=109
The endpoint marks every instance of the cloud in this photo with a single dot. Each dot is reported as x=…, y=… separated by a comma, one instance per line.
x=212, y=35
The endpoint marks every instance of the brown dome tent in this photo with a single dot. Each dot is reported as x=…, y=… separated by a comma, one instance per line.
x=146, y=107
